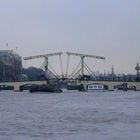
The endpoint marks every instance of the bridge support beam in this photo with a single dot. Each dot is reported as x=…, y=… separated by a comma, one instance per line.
x=16, y=88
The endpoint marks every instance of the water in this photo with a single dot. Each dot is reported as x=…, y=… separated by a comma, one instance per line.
x=70, y=116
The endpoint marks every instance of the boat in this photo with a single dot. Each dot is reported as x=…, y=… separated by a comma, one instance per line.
x=124, y=87
x=45, y=88
x=96, y=87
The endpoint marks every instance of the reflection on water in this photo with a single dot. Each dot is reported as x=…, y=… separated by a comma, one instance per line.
x=70, y=116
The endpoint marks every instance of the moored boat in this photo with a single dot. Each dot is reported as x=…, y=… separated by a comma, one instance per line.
x=124, y=87
x=96, y=87
x=45, y=88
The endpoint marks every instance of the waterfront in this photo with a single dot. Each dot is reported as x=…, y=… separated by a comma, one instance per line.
x=70, y=116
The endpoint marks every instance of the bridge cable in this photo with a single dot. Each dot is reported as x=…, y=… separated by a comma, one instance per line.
x=53, y=71
x=61, y=66
x=42, y=65
x=74, y=71
x=90, y=73
x=90, y=69
x=67, y=66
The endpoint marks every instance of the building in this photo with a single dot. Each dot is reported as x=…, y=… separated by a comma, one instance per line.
x=10, y=65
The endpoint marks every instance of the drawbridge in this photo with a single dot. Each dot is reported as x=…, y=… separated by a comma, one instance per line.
x=80, y=68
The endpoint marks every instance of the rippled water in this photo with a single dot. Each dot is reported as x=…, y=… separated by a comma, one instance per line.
x=70, y=116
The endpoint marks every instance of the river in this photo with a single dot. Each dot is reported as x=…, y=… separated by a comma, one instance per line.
x=70, y=116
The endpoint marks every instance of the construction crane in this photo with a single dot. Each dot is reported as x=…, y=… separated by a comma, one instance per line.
x=45, y=56
x=82, y=56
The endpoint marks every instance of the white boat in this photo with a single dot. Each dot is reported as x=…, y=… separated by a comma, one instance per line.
x=125, y=86
x=96, y=87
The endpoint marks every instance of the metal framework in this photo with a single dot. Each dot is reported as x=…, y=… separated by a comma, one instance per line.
x=45, y=56
x=82, y=59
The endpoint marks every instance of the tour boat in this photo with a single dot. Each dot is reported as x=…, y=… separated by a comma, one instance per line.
x=125, y=87
x=96, y=87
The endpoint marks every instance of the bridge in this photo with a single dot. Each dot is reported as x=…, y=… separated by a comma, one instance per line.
x=17, y=85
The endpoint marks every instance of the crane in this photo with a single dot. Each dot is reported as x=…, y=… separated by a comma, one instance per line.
x=45, y=56
x=82, y=56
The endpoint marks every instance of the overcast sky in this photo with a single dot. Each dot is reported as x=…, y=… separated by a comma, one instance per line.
x=109, y=28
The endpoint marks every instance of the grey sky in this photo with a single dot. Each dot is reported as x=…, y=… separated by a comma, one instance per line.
x=109, y=28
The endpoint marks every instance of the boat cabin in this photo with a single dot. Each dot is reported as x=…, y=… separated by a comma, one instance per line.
x=92, y=87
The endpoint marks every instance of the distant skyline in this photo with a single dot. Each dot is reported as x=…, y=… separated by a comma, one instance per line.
x=107, y=28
